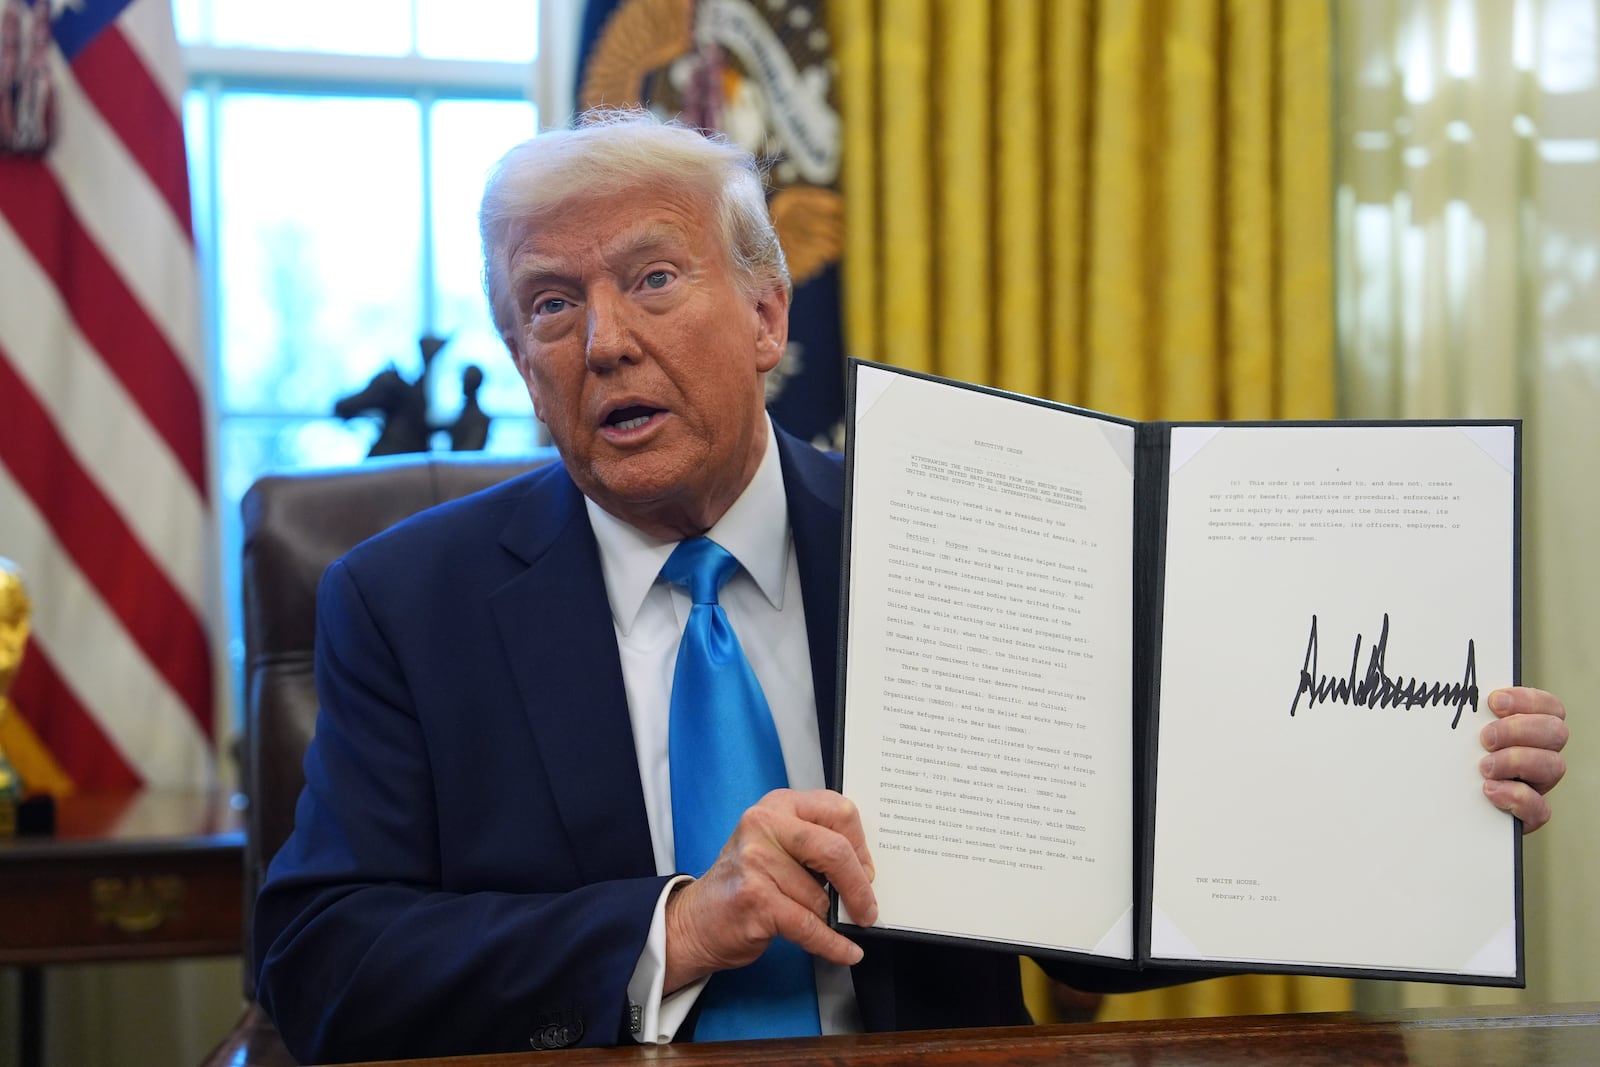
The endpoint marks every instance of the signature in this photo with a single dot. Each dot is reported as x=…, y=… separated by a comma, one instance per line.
x=1376, y=689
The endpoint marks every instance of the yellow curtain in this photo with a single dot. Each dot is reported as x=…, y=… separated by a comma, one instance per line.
x=1118, y=204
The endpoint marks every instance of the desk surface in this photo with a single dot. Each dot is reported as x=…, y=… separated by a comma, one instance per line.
x=149, y=820
x=1562, y=1036
x=126, y=876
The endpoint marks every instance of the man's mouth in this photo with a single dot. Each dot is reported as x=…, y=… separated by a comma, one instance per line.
x=630, y=418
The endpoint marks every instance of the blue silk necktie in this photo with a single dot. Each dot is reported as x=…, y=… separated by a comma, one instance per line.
x=724, y=755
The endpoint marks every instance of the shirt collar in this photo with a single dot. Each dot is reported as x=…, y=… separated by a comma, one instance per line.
x=755, y=530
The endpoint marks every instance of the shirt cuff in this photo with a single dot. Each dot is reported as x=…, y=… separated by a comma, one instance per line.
x=659, y=1017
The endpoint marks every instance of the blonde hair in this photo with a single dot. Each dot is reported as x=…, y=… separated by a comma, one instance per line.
x=614, y=150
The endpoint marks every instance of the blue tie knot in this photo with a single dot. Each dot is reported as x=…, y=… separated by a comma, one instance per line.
x=701, y=566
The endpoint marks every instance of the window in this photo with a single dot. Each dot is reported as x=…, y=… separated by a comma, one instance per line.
x=337, y=152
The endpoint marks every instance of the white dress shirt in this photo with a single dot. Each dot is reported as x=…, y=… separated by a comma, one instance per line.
x=762, y=601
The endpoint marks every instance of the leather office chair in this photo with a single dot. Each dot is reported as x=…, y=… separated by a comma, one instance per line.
x=294, y=526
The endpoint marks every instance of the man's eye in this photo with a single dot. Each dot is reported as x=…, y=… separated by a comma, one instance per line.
x=657, y=278
x=550, y=306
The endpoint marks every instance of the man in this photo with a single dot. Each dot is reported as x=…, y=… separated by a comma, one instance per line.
x=484, y=854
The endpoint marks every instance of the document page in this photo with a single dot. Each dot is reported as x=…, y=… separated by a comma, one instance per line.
x=1339, y=602
x=987, y=726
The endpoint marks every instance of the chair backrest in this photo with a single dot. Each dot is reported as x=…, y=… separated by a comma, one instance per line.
x=294, y=526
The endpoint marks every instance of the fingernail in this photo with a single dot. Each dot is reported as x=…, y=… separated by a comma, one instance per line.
x=1500, y=700
x=859, y=955
x=872, y=872
x=1486, y=767
x=1489, y=735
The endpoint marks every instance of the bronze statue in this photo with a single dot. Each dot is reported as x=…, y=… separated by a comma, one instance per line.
x=402, y=408
x=470, y=431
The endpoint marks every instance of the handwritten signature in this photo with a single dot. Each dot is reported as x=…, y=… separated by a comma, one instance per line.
x=1376, y=689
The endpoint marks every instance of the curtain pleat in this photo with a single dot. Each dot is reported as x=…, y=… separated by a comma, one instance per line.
x=855, y=48
x=906, y=129
x=1064, y=156
x=1251, y=198
x=1305, y=128
x=1019, y=205
x=1194, y=224
x=1117, y=279
x=964, y=305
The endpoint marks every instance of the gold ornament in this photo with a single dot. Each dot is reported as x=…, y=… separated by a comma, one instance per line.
x=14, y=619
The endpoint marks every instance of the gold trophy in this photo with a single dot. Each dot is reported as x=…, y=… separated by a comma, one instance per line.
x=30, y=778
x=14, y=615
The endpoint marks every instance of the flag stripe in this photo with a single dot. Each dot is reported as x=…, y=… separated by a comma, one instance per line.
x=120, y=87
x=63, y=724
x=104, y=431
x=119, y=207
x=96, y=657
x=148, y=29
x=106, y=552
x=110, y=317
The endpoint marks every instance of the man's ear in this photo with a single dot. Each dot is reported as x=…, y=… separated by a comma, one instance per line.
x=524, y=369
x=772, y=327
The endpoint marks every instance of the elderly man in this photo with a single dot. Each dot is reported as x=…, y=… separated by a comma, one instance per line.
x=509, y=832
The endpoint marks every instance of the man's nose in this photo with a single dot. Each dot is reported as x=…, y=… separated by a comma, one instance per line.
x=611, y=336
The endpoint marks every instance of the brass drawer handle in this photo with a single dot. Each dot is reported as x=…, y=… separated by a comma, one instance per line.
x=136, y=905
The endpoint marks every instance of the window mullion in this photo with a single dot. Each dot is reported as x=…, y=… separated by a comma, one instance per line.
x=425, y=102
x=208, y=241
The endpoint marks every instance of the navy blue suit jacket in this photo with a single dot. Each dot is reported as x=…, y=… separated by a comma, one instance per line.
x=471, y=865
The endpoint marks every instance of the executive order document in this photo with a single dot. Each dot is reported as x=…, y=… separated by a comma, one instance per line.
x=1292, y=785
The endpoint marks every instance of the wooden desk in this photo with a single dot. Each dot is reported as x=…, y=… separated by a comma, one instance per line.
x=1564, y=1036
x=126, y=876
x=130, y=876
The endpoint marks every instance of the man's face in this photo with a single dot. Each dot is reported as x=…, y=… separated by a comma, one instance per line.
x=642, y=356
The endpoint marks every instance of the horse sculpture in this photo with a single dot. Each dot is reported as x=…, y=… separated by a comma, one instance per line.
x=402, y=409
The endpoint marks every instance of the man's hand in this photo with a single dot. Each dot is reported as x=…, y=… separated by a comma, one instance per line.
x=767, y=882
x=1524, y=761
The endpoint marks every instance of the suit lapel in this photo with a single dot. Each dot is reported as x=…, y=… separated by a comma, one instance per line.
x=555, y=622
x=814, y=485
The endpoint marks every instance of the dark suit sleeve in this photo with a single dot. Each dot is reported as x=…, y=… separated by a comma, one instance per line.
x=374, y=939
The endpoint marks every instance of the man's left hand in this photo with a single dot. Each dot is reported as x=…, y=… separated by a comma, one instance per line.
x=1524, y=761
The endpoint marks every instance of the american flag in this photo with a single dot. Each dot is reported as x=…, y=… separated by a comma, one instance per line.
x=105, y=500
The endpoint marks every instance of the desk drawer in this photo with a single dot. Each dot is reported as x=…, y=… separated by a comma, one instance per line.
x=75, y=909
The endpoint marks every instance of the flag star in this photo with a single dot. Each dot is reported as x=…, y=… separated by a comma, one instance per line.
x=58, y=6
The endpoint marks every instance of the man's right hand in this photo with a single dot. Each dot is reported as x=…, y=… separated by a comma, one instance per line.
x=766, y=884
